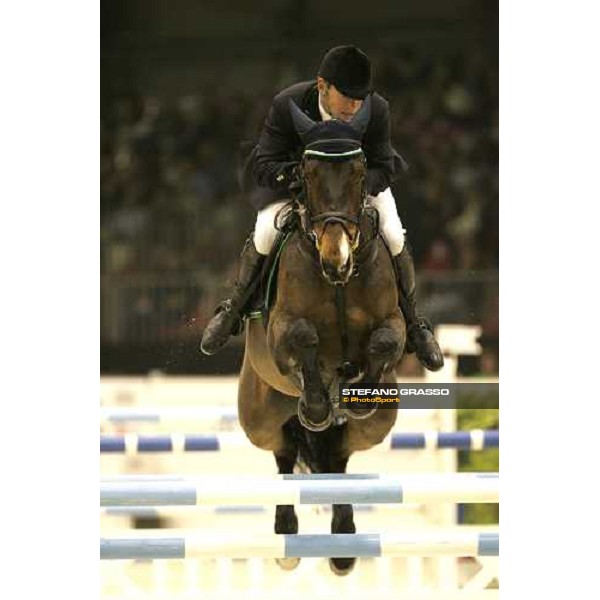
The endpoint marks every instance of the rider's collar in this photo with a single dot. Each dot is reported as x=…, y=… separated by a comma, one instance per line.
x=324, y=114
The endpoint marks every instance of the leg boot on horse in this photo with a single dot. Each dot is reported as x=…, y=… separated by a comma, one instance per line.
x=420, y=337
x=227, y=319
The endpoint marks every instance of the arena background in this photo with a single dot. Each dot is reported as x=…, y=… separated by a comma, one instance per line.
x=184, y=84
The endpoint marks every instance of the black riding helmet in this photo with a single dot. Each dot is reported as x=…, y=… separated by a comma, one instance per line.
x=349, y=69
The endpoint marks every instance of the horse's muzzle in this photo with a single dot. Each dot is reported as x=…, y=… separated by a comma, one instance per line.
x=337, y=275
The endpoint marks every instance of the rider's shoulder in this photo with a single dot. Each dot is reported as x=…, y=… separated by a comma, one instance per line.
x=379, y=103
x=295, y=92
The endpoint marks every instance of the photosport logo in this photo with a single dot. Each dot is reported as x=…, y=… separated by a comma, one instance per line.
x=419, y=395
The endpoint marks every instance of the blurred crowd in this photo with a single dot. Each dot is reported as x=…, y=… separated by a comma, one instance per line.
x=445, y=124
x=169, y=197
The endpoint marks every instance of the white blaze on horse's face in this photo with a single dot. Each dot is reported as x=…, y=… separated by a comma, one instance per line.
x=336, y=254
x=344, y=249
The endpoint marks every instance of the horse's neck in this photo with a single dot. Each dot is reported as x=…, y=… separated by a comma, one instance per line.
x=308, y=252
x=368, y=248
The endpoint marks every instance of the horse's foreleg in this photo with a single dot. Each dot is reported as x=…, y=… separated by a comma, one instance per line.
x=294, y=344
x=384, y=350
x=385, y=347
x=331, y=455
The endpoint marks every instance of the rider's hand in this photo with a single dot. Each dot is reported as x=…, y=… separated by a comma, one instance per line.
x=295, y=186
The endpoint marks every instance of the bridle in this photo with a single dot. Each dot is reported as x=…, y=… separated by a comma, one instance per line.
x=347, y=370
x=307, y=219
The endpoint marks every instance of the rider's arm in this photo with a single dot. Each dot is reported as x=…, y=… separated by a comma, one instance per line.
x=384, y=164
x=273, y=165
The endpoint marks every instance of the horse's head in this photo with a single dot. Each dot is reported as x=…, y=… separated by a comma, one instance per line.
x=333, y=171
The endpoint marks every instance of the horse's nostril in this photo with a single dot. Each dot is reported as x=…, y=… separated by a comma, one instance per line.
x=330, y=270
x=336, y=273
x=345, y=268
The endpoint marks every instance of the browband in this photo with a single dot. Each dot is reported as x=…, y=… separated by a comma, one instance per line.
x=333, y=155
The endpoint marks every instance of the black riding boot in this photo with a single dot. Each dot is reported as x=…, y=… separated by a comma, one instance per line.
x=227, y=319
x=419, y=332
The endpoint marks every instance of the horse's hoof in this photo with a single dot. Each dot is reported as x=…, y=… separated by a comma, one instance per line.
x=288, y=564
x=309, y=423
x=361, y=413
x=342, y=566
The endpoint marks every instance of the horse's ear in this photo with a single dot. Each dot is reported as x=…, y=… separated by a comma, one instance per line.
x=362, y=117
x=302, y=122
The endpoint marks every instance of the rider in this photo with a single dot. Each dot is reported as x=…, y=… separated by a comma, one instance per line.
x=343, y=82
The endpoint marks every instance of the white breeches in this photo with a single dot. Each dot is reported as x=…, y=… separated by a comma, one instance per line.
x=390, y=225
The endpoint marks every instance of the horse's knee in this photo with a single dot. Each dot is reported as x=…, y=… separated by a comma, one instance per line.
x=296, y=345
x=302, y=335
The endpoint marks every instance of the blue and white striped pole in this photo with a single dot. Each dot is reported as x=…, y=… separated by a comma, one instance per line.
x=303, y=489
x=197, y=416
x=210, y=545
x=132, y=443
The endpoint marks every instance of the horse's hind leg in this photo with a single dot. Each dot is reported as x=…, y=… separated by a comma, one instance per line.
x=263, y=413
x=327, y=452
x=286, y=520
x=342, y=521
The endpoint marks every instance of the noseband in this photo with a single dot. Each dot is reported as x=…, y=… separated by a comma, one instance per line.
x=307, y=219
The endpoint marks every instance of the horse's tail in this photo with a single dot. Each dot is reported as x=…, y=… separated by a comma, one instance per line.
x=314, y=448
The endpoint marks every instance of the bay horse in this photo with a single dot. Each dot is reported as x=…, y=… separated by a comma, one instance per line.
x=335, y=319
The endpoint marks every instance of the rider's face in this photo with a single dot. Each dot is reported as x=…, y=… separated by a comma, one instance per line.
x=335, y=103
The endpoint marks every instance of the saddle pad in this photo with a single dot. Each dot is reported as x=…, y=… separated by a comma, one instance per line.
x=265, y=294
